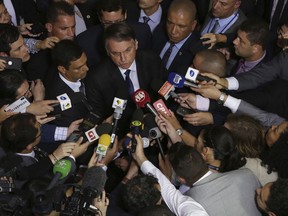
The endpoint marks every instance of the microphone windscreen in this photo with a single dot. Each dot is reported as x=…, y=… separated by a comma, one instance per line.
x=176, y=79
x=137, y=115
x=148, y=122
x=95, y=178
x=104, y=128
x=122, y=93
x=141, y=98
x=63, y=167
x=105, y=139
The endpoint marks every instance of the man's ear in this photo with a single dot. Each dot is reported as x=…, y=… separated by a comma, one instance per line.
x=61, y=69
x=49, y=27
x=182, y=180
x=136, y=44
x=29, y=147
x=194, y=24
x=271, y=214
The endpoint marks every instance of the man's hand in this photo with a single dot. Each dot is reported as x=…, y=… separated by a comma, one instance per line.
x=199, y=118
x=213, y=39
x=139, y=155
x=208, y=91
x=4, y=115
x=2, y=64
x=222, y=83
x=43, y=119
x=187, y=100
x=64, y=150
x=74, y=126
x=48, y=43
x=225, y=52
x=38, y=90
x=41, y=107
x=80, y=147
x=101, y=203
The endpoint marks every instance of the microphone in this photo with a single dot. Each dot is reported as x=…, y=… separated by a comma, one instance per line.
x=165, y=90
x=103, y=144
x=142, y=99
x=193, y=75
x=159, y=105
x=92, y=186
x=152, y=131
x=136, y=126
x=179, y=81
x=119, y=106
x=62, y=170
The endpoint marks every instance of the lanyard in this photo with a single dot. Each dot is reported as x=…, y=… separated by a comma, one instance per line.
x=225, y=27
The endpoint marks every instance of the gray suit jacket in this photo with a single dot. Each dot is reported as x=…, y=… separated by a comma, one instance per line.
x=227, y=194
x=233, y=28
x=275, y=69
x=266, y=118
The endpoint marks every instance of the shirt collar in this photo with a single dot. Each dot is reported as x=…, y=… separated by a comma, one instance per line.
x=155, y=17
x=204, y=176
x=224, y=21
x=180, y=44
x=72, y=85
x=31, y=154
x=131, y=68
x=250, y=64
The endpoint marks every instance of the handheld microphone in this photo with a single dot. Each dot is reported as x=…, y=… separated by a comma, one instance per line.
x=159, y=105
x=136, y=126
x=193, y=75
x=62, y=170
x=164, y=90
x=179, y=81
x=119, y=104
x=92, y=186
x=103, y=144
x=142, y=99
x=154, y=132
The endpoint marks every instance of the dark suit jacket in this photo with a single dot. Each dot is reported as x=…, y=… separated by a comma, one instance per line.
x=54, y=87
x=26, y=10
x=102, y=86
x=185, y=56
x=92, y=41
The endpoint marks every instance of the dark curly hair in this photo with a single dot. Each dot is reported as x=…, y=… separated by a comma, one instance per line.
x=278, y=198
x=140, y=193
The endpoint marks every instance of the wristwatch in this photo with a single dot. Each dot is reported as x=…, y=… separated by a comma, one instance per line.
x=221, y=99
x=179, y=131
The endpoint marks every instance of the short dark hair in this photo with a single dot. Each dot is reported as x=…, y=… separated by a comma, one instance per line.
x=278, y=198
x=157, y=210
x=57, y=9
x=119, y=32
x=111, y=6
x=65, y=52
x=10, y=81
x=257, y=31
x=18, y=131
x=187, y=162
x=221, y=140
x=8, y=35
x=141, y=192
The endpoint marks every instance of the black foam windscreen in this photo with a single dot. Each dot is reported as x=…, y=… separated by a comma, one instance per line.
x=149, y=122
x=95, y=179
x=104, y=128
x=137, y=115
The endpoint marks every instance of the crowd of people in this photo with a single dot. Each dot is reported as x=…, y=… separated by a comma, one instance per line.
x=144, y=107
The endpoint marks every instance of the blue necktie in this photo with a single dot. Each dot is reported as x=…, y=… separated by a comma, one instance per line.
x=129, y=82
x=146, y=19
x=167, y=54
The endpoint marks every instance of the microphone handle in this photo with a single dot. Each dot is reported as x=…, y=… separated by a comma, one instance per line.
x=151, y=109
x=160, y=148
x=54, y=181
x=113, y=133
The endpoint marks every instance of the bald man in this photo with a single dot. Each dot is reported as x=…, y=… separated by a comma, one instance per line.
x=176, y=41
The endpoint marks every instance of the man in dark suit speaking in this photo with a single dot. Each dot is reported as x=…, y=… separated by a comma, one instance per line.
x=126, y=68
